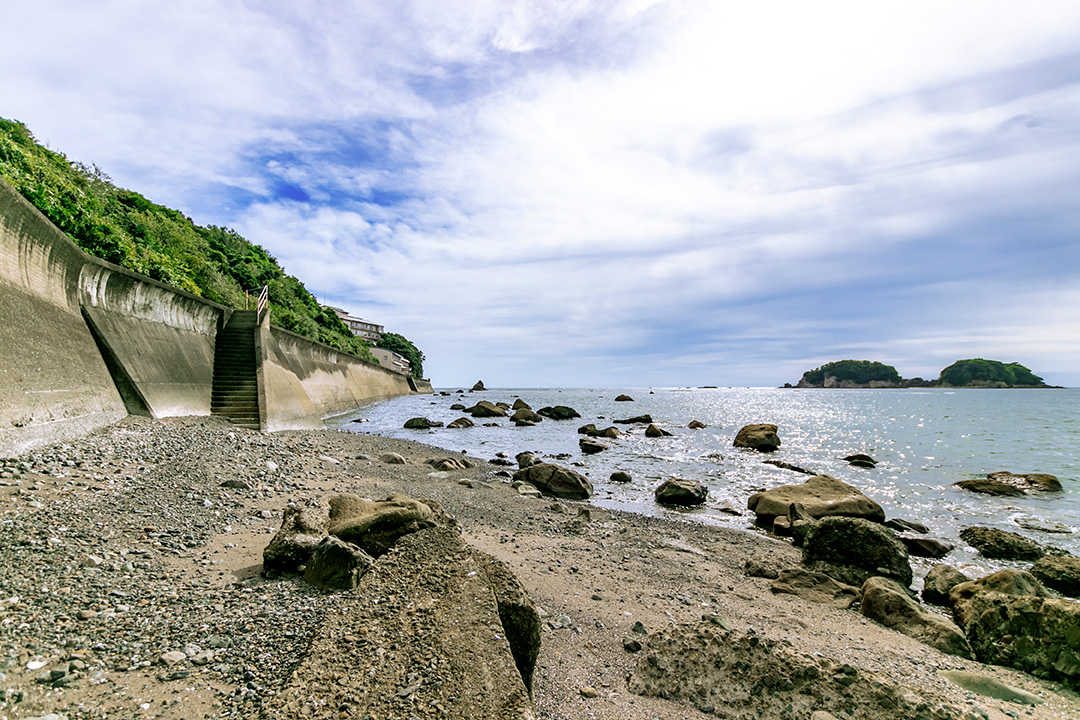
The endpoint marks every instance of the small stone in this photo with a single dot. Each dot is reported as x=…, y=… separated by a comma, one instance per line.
x=86, y=614
x=588, y=692
x=631, y=645
x=639, y=628
x=173, y=657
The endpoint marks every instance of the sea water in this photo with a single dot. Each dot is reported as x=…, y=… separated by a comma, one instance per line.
x=923, y=439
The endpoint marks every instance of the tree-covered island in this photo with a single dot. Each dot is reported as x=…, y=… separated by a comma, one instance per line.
x=975, y=372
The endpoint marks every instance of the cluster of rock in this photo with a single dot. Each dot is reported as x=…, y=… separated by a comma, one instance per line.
x=851, y=554
x=407, y=573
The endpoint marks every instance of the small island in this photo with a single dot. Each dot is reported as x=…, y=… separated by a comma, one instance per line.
x=971, y=373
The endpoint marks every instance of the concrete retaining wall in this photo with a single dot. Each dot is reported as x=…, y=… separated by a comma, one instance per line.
x=301, y=381
x=84, y=343
x=54, y=384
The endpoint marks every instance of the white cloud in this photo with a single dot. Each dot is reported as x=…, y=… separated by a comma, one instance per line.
x=579, y=179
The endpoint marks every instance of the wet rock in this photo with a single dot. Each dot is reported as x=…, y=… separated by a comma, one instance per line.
x=909, y=526
x=1059, y=573
x=861, y=460
x=520, y=404
x=591, y=447
x=337, y=565
x=420, y=423
x=526, y=459
x=1037, y=482
x=624, y=398
x=886, y=602
x=761, y=437
x=552, y=479
x=592, y=431
x=461, y=422
x=559, y=412
x=1001, y=544
x=815, y=587
x=990, y=487
x=677, y=491
x=697, y=425
x=926, y=547
x=478, y=387
x=526, y=415
x=620, y=477
x=302, y=529
x=654, y=432
x=485, y=409
x=821, y=496
x=789, y=466
x=637, y=419
x=940, y=580
x=852, y=550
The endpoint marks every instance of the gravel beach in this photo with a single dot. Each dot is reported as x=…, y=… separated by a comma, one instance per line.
x=131, y=581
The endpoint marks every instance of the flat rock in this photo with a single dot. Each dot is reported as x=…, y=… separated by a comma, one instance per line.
x=1038, y=482
x=559, y=412
x=926, y=547
x=375, y=525
x=989, y=687
x=815, y=587
x=821, y=496
x=591, y=447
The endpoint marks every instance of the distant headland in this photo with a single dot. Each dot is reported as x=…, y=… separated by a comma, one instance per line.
x=972, y=373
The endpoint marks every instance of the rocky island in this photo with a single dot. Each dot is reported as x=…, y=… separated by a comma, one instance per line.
x=971, y=373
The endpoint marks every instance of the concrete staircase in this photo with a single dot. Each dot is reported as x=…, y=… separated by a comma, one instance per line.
x=235, y=394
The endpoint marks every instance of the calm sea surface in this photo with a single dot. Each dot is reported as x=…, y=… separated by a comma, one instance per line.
x=924, y=440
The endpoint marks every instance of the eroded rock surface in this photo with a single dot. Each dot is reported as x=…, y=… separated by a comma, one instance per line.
x=820, y=496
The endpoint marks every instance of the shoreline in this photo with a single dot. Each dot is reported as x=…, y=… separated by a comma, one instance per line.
x=180, y=560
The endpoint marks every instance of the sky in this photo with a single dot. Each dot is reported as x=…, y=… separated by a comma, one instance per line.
x=607, y=193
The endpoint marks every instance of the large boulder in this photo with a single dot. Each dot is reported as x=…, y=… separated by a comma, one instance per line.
x=461, y=422
x=478, y=387
x=986, y=486
x=1059, y=572
x=303, y=527
x=815, y=587
x=452, y=463
x=761, y=437
x=1002, y=582
x=526, y=459
x=1039, y=635
x=337, y=565
x=520, y=404
x=559, y=412
x=375, y=525
x=889, y=604
x=852, y=550
x=1001, y=544
x=624, y=398
x=525, y=415
x=552, y=479
x=421, y=423
x=1038, y=482
x=940, y=580
x=485, y=409
x=654, y=432
x=434, y=605
x=821, y=496
x=677, y=491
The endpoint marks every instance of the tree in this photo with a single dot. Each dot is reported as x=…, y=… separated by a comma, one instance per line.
x=857, y=372
x=401, y=345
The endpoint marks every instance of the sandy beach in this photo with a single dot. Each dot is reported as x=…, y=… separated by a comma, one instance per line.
x=126, y=545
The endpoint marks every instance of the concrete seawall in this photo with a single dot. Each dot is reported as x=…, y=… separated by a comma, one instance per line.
x=84, y=343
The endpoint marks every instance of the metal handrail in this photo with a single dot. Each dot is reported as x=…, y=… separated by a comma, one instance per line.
x=264, y=300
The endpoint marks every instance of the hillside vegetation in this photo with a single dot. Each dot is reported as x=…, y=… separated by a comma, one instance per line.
x=125, y=228
x=975, y=372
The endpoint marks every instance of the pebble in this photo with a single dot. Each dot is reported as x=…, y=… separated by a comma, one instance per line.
x=588, y=692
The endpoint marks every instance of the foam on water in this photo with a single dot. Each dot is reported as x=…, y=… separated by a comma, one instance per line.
x=924, y=440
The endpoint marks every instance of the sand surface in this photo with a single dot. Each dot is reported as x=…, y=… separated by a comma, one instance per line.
x=145, y=498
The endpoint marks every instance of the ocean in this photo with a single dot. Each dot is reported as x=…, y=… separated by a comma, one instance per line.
x=923, y=439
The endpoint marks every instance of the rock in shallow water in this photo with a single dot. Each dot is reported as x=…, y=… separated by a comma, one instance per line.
x=820, y=496
x=677, y=491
